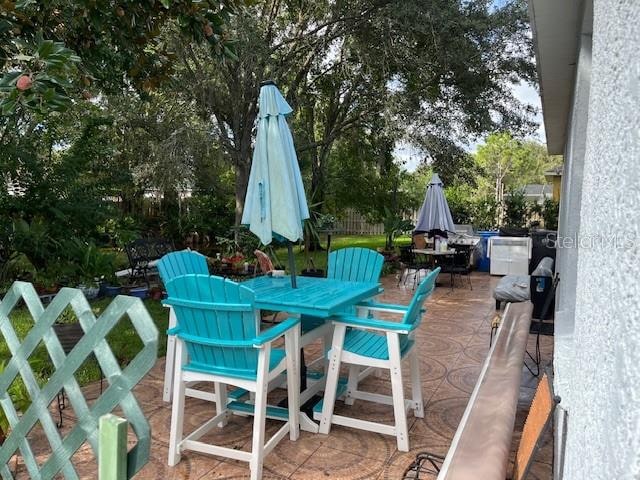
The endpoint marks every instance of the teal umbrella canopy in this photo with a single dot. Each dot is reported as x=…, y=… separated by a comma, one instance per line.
x=275, y=205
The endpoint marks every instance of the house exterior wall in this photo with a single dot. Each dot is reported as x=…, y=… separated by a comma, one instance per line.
x=597, y=358
x=569, y=223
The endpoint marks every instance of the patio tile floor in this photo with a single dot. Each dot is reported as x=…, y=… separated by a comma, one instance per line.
x=453, y=341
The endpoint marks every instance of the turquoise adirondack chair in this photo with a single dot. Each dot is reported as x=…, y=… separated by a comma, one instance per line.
x=170, y=266
x=353, y=264
x=218, y=326
x=371, y=342
x=182, y=262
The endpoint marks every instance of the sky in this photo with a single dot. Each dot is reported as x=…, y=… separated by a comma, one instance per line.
x=523, y=91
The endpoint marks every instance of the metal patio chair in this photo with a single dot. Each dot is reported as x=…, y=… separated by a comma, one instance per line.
x=409, y=261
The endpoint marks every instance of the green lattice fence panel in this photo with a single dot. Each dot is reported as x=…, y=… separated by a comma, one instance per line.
x=118, y=392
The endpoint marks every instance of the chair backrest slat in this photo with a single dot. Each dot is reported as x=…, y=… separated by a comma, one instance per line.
x=355, y=264
x=182, y=263
x=424, y=290
x=210, y=307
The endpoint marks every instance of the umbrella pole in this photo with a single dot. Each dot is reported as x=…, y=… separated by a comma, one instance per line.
x=292, y=265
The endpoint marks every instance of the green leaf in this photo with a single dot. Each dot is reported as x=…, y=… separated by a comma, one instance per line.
x=230, y=53
x=5, y=26
x=45, y=49
x=166, y=3
x=9, y=79
x=8, y=106
x=22, y=4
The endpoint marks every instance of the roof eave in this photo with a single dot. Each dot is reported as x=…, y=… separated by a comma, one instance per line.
x=556, y=27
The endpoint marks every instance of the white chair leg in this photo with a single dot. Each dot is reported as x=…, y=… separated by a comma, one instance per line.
x=260, y=413
x=402, y=432
x=416, y=386
x=326, y=346
x=332, y=378
x=169, y=360
x=177, y=409
x=352, y=384
x=292, y=346
x=221, y=400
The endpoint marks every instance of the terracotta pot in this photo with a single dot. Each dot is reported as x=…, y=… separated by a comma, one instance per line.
x=156, y=294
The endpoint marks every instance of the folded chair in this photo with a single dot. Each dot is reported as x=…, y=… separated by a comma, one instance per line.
x=264, y=262
x=218, y=326
x=170, y=266
x=370, y=342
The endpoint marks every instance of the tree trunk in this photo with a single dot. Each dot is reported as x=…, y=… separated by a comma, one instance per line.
x=243, y=168
x=243, y=134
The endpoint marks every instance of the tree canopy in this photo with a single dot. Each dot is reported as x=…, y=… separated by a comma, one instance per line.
x=130, y=117
x=49, y=48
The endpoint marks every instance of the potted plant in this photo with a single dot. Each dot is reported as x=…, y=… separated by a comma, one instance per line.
x=90, y=287
x=394, y=225
x=111, y=286
x=46, y=285
x=93, y=264
x=139, y=291
x=156, y=292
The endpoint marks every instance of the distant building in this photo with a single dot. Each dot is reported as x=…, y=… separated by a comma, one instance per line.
x=536, y=192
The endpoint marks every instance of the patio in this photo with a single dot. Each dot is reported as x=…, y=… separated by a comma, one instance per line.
x=453, y=341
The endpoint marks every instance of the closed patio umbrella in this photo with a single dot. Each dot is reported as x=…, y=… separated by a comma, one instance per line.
x=275, y=205
x=434, y=217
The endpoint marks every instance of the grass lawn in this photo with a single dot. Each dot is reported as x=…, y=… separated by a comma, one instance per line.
x=123, y=340
x=339, y=241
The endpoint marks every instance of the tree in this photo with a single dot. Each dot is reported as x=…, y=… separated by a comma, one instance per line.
x=509, y=163
x=516, y=210
x=124, y=35
x=288, y=43
x=354, y=65
x=453, y=68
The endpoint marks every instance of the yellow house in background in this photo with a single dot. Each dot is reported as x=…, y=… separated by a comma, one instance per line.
x=554, y=177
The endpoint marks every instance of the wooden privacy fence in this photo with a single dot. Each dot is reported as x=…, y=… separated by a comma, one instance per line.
x=354, y=223
x=108, y=442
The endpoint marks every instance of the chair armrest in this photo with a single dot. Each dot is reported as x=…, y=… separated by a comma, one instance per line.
x=276, y=331
x=383, y=307
x=374, y=324
x=265, y=337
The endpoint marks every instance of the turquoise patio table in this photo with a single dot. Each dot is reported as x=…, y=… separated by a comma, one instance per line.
x=318, y=297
